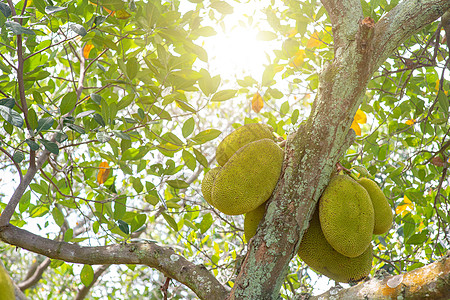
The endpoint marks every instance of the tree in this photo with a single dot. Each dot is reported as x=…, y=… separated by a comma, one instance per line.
x=105, y=124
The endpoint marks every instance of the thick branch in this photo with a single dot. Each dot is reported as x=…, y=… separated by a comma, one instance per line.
x=196, y=277
x=429, y=282
x=400, y=23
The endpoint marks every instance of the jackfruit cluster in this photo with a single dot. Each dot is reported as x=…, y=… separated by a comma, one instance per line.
x=250, y=163
x=337, y=243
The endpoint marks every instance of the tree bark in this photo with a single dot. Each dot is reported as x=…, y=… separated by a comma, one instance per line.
x=429, y=282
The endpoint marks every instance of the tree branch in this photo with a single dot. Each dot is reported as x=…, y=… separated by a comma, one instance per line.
x=36, y=276
x=429, y=282
x=196, y=277
x=400, y=23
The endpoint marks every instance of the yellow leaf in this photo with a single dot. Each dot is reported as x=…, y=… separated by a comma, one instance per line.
x=298, y=59
x=360, y=117
x=313, y=41
x=437, y=85
x=356, y=128
x=103, y=172
x=87, y=49
x=122, y=14
x=406, y=200
x=421, y=226
x=257, y=102
x=401, y=208
x=410, y=122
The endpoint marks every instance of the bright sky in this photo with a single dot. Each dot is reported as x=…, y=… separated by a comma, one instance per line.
x=235, y=51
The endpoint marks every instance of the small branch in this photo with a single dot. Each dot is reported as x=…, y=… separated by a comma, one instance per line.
x=15, y=163
x=164, y=259
x=37, y=275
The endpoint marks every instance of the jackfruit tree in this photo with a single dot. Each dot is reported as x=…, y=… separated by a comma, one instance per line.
x=114, y=112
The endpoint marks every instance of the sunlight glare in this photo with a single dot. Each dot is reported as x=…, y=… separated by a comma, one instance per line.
x=238, y=53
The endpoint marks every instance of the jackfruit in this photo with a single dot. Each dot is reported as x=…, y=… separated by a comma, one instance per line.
x=239, y=138
x=346, y=216
x=317, y=253
x=208, y=182
x=248, y=178
x=6, y=285
x=252, y=219
x=382, y=210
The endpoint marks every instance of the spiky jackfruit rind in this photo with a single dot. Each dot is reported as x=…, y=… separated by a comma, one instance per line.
x=6, y=285
x=252, y=220
x=318, y=254
x=208, y=182
x=248, y=178
x=346, y=216
x=381, y=207
x=240, y=137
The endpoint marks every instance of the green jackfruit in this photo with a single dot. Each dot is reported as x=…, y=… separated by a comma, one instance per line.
x=252, y=219
x=6, y=285
x=346, y=216
x=248, y=178
x=208, y=182
x=317, y=253
x=382, y=209
x=239, y=138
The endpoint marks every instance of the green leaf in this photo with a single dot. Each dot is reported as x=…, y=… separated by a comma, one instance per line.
x=54, y=9
x=18, y=156
x=99, y=119
x=120, y=207
x=443, y=102
x=294, y=116
x=222, y=7
x=68, y=102
x=58, y=216
x=170, y=221
x=418, y=238
x=61, y=137
x=78, y=29
x=188, y=127
x=205, y=31
x=5, y=9
x=76, y=128
x=11, y=116
x=122, y=135
x=178, y=183
x=189, y=160
x=223, y=95
x=205, y=136
x=96, y=98
x=8, y=102
x=266, y=36
x=132, y=67
x=87, y=275
x=17, y=29
x=138, y=221
x=50, y=146
x=44, y=124
x=32, y=144
x=201, y=158
x=206, y=223
x=123, y=226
